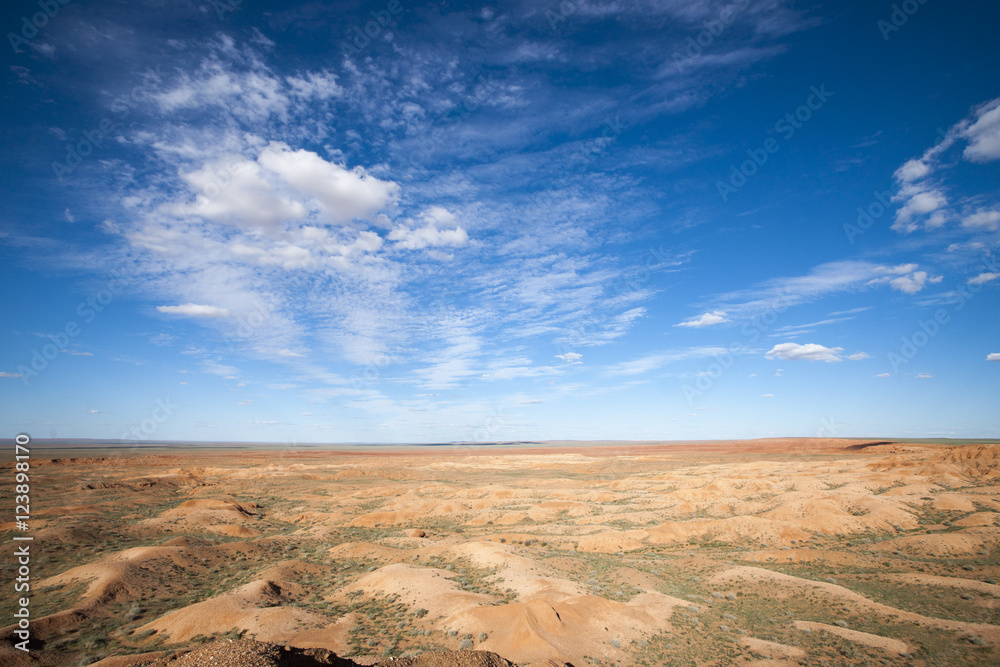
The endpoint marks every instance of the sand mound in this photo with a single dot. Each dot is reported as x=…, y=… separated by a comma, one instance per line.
x=544, y=629
x=734, y=530
x=612, y=542
x=963, y=543
x=254, y=607
x=234, y=531
x=979, y=519
x=367, y=551
x=420, y=587
x=189, y=507
x=769, y=580
x=124, y=575
x=764, y=647
x=842, y=514
x=886, y=644
x=952, y=582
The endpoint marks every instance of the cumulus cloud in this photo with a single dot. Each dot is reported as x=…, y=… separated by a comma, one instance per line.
x=923, y=202
x=983, y=278
x=807, y=352
x=992, y=356
x=983, y=220
x=344, y=194
x=905, y=278
x=859, y=356
x=706, y=320
x=570, y=357
x=983, y=134
x=194, y=310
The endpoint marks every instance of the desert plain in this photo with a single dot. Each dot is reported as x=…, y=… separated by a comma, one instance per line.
x=766, y=552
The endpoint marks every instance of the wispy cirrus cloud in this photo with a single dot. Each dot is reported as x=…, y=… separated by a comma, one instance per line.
x=656, y=360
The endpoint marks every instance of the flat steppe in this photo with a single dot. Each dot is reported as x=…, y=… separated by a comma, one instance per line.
x=767, y=552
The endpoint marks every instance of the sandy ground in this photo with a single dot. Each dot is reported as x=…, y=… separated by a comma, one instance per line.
x=750, y=553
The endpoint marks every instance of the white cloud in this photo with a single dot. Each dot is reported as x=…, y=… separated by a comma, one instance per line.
x=993, y=356
x=914, y=282
x=779, y=294
x=919, y=202
x=807, y=352
x=245, y=402
x=194, y=310
x=913, y=170
x=244, y=199
x=767, y=395
x=430, y=235
x=705, y=320
x=984, y=220
x=923, y=202
x=315, y=85
x=656, y=360
x=4, y=374
x=983, y=278
x=905, y=278
x=858, y=356
x=924, y=376
x=983, y=134
x=884, y=375
x=344, y=194
x=570, y=357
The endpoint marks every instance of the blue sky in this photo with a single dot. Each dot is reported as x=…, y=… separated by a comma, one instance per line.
x=577, y=220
